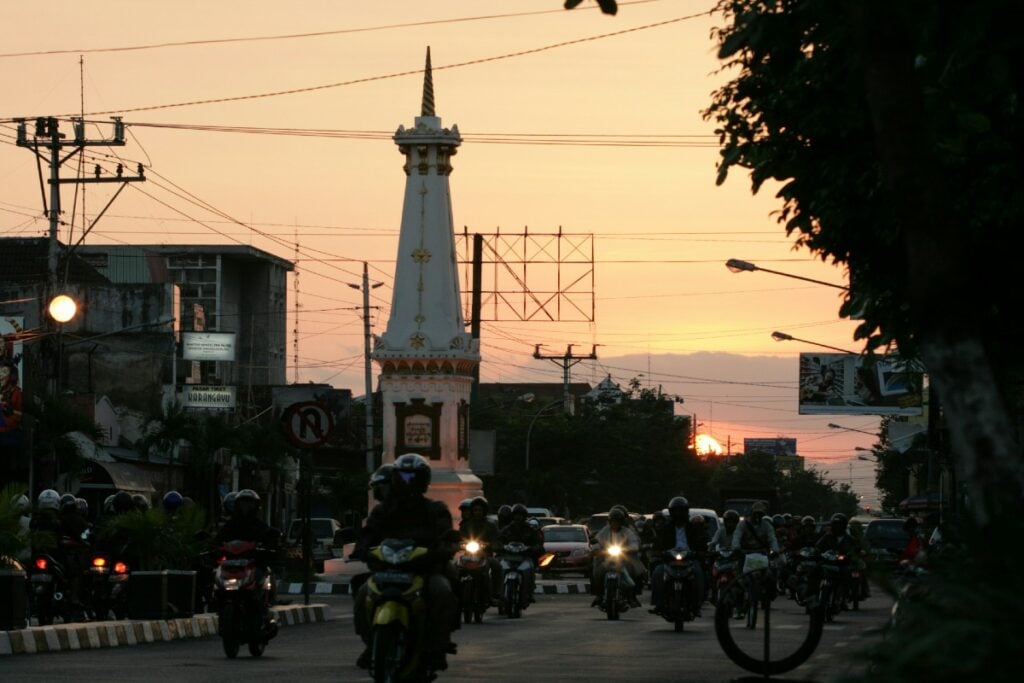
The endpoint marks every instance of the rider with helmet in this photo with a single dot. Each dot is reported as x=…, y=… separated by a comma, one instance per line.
x=504, y=516
x=406, y=512
x=617, y=532
x=464, y=509
x=476, y=526
x=171, y=502
x=807, y=535
x=518, y=529
x=756, y=533
x=679, y=532
x=722, y=540
x=380, y=482
x=245, y=525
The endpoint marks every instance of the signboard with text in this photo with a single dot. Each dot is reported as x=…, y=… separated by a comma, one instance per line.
x=208, y=346
x=207, y=396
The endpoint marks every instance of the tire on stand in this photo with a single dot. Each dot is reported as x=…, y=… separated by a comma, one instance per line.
x=677, y=610
x=611, y=601
x=256, y=648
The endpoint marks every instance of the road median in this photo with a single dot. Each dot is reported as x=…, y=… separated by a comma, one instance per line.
x=104, y=634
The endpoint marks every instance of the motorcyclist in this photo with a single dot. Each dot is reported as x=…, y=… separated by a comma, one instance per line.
x=47, y=517
x=837, y=539
x=380, y=482
x=807, y=534
x=464, y=510
x=246, y=525
x=756, y=534
x=722, y=540
x=171, y=502
x=484, y=531
x=406, y=512
x=140, y=502
x=504, y=517
x=23, y=506
x=680, y=532
x=617, y=532
x=519, y=530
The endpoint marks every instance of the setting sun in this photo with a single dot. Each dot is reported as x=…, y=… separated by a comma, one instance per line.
x=705, y=444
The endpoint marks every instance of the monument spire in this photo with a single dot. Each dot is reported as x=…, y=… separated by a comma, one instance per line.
x=428, y=89
x=425, y=354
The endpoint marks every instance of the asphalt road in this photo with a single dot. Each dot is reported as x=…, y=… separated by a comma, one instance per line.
x=560, y=638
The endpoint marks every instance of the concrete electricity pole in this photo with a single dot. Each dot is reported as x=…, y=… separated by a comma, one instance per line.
x=566, y=360
x=48, y=137
x=368, y=368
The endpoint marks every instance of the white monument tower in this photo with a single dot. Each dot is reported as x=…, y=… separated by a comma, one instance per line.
x=426, y=356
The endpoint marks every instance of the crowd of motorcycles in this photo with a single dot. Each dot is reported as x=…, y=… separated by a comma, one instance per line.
x=82, y=577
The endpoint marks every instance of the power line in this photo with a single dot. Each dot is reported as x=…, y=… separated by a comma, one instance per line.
x=293, y=36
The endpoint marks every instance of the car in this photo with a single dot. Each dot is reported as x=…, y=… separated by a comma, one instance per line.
x=538, y=512
x=886, y=539
x=545, y=521
x=570, y=545
x=324, y=531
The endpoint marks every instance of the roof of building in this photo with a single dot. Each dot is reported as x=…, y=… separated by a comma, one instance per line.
x=24, y=259
x=239, y=252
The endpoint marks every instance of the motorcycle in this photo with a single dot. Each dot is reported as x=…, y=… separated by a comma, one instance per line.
x=617, y=582
x=516, y=566
x=474, y=581
x=723, y=572
x=242, y=590
x=835, y=572
x=397, y=611
x=107, y=587
x=760, y=583
x=48, y=589
x=798, y=582
x=681, y=565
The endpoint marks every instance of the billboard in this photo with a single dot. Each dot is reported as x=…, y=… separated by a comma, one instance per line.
x=208, y=346
x=850, y=384
x=11, y=404
x=779, y=446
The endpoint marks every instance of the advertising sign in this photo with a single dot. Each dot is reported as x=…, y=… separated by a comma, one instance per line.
x=779, y=446
x=208, y=346
x=11, y=405
x=850, y=384
x=206, y=396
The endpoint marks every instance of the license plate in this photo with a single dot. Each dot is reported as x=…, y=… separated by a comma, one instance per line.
x=393, y=577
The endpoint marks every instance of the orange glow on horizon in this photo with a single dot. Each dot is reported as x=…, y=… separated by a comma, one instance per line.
x=705, y=444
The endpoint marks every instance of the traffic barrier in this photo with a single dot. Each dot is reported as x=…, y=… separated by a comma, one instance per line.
x=103, y=634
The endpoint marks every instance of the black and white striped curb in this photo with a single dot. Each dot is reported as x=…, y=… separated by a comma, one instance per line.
x=93, y=636
x=329, y=588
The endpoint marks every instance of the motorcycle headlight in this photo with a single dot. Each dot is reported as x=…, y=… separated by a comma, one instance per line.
x=614, y=550
x=393, y=555
x=231, y=584
x=472, y=547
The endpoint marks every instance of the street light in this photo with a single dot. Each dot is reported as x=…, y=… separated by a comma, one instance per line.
x=833, y=425
x=782, y=336
x=529, y=430
x=738, y=266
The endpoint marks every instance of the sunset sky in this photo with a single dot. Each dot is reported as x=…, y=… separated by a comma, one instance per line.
x=571, y=120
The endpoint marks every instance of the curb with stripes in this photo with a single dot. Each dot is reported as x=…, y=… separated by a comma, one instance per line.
x=93, y=636
x=329, y=588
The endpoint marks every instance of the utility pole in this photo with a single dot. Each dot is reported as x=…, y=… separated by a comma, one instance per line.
x=48, y=137
x=566, y=360
x=368, y=374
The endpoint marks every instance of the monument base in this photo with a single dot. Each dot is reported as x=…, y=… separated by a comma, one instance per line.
x=452, y=487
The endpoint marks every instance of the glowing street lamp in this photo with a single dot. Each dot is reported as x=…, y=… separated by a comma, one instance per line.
x=62, y=308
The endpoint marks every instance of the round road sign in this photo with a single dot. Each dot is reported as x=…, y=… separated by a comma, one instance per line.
x=308, y=424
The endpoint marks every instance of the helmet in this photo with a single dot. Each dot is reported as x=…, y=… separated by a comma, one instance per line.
x=247, y=503
x=519, y=510
x=807, y=520
x=778, y=521
x=68, y=503
x=21, y=503
x=228, y=504
x=697, y=519
x=186, y=501
x=679, y=510
x=140, y=502
x=410, y=475
x=617, y=515
x=464, y=505
x=480, y=502
x=122, y=502
x=380, y=482
x=504, y=514
x=760, y=507
x=48, y=500
x=83, y=506
x=838, y=523
x=172, y=500
x=731, y=518
x=533, y=522
x=108, y=505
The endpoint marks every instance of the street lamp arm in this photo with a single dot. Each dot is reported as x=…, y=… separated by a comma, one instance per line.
x=739, y=266
x=782, y=336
